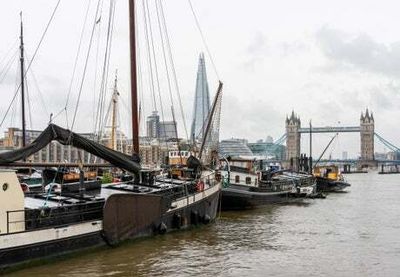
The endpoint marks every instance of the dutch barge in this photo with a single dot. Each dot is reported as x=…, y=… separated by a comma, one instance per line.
x=247, y=185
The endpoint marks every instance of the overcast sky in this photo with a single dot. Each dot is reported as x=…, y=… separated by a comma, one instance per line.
x=326, y=60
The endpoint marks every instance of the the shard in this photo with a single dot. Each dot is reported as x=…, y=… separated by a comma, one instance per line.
x=201, y=102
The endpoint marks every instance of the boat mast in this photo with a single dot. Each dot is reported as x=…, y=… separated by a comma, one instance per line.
x=114, y=114
x=134, y=102
x=21, y=47
x=310, y=157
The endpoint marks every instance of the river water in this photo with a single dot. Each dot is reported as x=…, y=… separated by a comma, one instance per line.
x=347, y=234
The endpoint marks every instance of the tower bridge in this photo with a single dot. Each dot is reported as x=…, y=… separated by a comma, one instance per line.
x=355, y=129
x=366, y=130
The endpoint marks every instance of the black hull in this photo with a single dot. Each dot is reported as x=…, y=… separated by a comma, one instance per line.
x=23, y=256
x=198, y=213
x=326, y=185
x=132, y=225
x=236, y=198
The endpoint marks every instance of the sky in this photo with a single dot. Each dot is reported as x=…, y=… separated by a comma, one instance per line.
x=326, y=60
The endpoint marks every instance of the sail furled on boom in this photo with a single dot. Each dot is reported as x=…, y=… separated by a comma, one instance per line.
x=66, y=137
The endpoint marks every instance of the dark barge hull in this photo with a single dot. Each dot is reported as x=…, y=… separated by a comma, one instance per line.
x=157, y=215
x=200, y=212
x=326, y=185
x=23, y=256
x=236, y=197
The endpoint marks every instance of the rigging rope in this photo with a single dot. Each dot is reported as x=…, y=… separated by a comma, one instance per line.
x=33, y=58
x=203, y=39
x=105, y=70
x=149, y=59
x=76, y=61
x=29, y=104
x=41, y=98
x=156, y=73
x=173, y=67
x=165, y=62
x=7, y=67
x=85, y=67
x=99, y=21
x=9, y=51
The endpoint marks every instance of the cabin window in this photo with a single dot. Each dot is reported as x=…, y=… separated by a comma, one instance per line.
x=5, y=186
x=237, y=179
x=248, y=180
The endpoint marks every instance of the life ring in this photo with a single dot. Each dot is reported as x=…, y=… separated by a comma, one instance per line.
x=200, y=186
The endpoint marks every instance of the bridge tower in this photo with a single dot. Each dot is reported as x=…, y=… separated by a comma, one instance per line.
x=293, y=124
x=367, y=131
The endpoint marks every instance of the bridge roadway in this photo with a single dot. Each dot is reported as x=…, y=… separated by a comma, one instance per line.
x=354, y=129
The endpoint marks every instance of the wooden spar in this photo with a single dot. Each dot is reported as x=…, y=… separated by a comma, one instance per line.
x=114, y=115
x=21, y=47
x=210, y=118
x=326, y=148
x=134, y=101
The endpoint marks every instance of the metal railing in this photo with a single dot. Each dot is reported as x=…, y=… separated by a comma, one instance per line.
x=43, y=218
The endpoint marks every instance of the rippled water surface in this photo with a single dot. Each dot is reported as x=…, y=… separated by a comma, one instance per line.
x=347, y=234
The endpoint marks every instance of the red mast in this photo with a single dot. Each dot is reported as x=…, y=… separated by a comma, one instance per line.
x=134, y=102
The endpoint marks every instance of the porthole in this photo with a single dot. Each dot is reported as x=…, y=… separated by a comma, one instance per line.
x=5, y=186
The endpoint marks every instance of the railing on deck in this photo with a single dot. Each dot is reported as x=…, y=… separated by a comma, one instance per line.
x=37, y=219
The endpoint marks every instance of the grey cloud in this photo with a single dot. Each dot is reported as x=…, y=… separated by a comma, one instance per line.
x=256, y=50
x=359, y=51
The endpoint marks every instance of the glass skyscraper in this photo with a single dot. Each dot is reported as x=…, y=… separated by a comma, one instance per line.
x=201, y=102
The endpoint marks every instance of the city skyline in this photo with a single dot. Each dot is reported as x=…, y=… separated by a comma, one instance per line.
x=314, y=56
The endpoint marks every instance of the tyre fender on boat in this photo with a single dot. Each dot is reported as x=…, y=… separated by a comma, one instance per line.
x=25, y=187
x=207, y=219
x=200, y=186
x=162, y=229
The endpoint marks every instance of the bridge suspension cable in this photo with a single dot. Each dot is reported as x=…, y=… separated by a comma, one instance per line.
x=387, y=143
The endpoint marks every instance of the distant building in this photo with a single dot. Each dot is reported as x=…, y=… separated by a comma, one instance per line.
x=269, y=139
x=154, y=152
x=120, y=141
x=53, y=152
x=344, y=155
x=367, y=125
x=293, y=124
x=268, y=150
x=168, y=130
x=394, y=156
x=153, y=125
x=380, y=156
x=234, y=148
x=201, y=102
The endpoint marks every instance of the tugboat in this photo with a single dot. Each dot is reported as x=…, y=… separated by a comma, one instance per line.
x=329, y=179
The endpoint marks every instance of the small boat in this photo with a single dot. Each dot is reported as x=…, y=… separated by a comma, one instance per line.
x=70, y=180
x=246, y=188
x=329, y=179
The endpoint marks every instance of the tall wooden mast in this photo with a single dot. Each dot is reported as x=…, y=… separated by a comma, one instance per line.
x=134, y=104
x=114, y=102
x=21, y=47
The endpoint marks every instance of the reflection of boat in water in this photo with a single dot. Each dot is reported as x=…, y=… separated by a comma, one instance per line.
x=247, y=187
x=329, y=179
